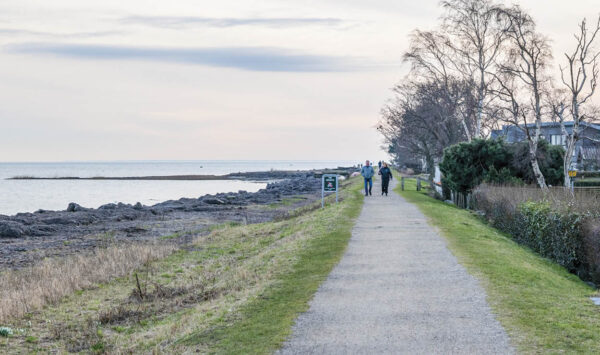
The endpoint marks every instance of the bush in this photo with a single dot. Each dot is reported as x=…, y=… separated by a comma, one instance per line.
x=588, y=174
x=550, y=160
x=557, y=236
x=555, y=224
x=591, y=249
x=465, y=165
x=593, y=182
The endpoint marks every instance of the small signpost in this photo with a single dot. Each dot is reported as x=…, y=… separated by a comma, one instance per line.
x=329, y=183
x=572, y=175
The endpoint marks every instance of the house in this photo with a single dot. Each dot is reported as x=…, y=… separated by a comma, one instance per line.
x=587, y=150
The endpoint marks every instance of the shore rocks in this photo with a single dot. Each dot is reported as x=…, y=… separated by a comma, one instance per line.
x=10, y=229
x=75, y=219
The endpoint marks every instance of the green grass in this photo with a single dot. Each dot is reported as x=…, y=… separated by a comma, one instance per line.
x=243, y=286
x=263, y=324
x=544, y=308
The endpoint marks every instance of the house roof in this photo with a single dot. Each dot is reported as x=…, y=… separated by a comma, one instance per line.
x=550, y=124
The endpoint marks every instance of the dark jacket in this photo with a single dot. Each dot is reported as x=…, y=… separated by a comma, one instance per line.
x=385, y=173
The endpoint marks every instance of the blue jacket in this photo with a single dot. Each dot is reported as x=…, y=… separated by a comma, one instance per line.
x=367, y=172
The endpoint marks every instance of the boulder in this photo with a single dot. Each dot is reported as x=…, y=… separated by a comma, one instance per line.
x=73, y=207
x=10, y=229
x=213, y=201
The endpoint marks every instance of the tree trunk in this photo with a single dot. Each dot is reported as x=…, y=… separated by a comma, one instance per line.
x=537, y=172
x=567, y=161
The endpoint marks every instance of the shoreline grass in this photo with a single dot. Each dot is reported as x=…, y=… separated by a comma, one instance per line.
x=236, y=290
x=266, y=322
x=544, y=308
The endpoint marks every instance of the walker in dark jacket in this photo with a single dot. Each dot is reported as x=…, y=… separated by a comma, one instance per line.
x=386, y=175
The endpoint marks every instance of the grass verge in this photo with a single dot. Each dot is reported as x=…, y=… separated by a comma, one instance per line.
x=263, y=324
x=544, y=308
x=237, y=290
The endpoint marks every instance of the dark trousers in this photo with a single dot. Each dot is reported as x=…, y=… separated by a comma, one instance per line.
x=385, y=183
x=368, y=185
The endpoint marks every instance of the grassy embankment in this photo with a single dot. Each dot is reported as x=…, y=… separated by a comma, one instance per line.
x=237, y=290
x=543, y=307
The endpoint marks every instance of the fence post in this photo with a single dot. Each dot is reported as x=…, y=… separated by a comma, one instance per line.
x=402, y=183
x=418, y=183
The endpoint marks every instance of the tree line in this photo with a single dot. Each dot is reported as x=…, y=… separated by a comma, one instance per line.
x=486, y=65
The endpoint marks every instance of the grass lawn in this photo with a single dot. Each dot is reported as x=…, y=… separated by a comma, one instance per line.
x=544, y=308
x=235, y=291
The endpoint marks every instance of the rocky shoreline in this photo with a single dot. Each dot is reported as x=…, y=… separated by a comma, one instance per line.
x=27, y=237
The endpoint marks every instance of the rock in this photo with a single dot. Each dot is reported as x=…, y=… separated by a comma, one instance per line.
x=9, y=229
x=134, y=230
x=213, y=201
x=59, y=220
x=73, y=207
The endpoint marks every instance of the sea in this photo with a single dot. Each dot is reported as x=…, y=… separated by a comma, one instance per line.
x=31, y=195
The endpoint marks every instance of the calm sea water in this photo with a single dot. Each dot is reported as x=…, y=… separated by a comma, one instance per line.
x=31, y=195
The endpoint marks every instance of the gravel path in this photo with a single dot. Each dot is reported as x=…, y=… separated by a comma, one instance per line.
x=397, y=289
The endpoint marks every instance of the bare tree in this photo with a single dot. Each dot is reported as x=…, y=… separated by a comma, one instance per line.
x=580, y=77
x=527, y=62
x=477, y=36
x=420, y=120
x=430, y=55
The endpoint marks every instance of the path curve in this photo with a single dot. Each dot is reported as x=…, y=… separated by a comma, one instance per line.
x=397, y=290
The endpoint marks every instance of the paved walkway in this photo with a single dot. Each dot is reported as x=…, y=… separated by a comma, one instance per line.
x=397, y=289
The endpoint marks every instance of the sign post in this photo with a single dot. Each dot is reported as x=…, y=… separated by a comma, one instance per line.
x=329, y=183
x=572, y=175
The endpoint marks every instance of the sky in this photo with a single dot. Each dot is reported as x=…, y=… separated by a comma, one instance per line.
x=198, y=79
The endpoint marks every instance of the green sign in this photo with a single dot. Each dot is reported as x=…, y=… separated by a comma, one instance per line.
x=330, y=183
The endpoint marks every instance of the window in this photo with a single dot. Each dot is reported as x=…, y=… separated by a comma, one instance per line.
x=557, y=139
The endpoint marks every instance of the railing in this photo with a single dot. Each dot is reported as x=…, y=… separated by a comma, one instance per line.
x=419, y=182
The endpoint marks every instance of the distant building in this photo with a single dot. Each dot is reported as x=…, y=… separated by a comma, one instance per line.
x=587, y=150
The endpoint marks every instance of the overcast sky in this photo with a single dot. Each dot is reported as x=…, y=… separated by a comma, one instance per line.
x=268, y=79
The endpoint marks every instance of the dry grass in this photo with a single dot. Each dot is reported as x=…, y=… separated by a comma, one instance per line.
x=583, y=201
x=29, y=289
x=201, y=288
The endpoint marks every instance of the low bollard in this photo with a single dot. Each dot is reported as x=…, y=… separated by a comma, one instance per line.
x=418, y=183
x=402, y=183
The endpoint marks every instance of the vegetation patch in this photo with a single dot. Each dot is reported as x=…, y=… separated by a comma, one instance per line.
x=544, y=308
x=236, y=290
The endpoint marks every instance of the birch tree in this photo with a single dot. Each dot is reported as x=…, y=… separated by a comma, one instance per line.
x=430, y=56
x=580, y=78
x=526, y=67
x=477, y=36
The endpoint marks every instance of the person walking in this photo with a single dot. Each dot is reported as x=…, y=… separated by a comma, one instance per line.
x=367, y=172
x=386, y=176
x=379, y=165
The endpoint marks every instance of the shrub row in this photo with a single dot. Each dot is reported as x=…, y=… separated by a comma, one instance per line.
x=589, y=174
x=593, y=182
x=567, y=236
x=467, y=164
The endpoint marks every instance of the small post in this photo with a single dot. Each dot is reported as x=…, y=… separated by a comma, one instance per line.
x=418, y=183
x=323, y=192
x=402, y=183
x=337, y=181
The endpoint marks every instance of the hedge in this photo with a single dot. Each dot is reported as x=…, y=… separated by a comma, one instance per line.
x=570, y=238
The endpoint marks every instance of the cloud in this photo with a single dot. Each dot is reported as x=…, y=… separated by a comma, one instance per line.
x=25, y=32
x=247, y=58
x=186, y=21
